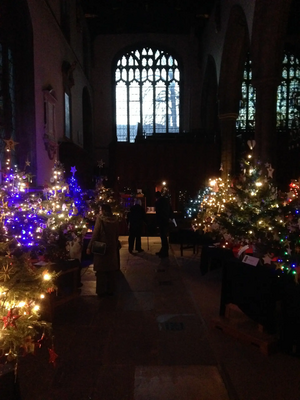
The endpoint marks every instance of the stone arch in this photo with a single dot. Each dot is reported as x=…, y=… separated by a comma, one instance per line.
x=236, y=46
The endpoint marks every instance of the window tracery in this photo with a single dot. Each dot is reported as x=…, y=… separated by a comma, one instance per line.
x=245, y=123
x=147, y=89
x=288, y=100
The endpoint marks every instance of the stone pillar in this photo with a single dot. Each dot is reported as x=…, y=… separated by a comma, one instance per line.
x=228, y=139
x=265, y=120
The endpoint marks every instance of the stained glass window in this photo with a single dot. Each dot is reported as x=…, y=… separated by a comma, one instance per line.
x=288, y=99
x=147, y=84
x=245, y=123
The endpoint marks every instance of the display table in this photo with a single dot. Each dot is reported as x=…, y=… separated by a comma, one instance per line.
x=213, y=257
x=261, y=294
x=67, y=283
x=255, y=290
x=290, y=321
x=248, y=304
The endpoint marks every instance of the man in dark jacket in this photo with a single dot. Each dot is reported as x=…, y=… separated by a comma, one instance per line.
x=136, y=218
x=164, y=213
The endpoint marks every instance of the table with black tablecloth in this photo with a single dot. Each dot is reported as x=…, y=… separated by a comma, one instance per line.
x=213, y=257
x=254, y=289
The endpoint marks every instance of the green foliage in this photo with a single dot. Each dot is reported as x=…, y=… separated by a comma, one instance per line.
x=22, y=288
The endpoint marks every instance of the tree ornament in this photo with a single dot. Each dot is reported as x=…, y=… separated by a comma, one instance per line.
x=41, y=341
x=10, y=144
x=267, y=259
x=10, y=356
x=6, y=272
x=270, y=171
x=10, y=319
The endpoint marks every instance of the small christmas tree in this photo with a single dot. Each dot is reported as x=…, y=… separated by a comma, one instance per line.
x=103, y=195
x=209, y=204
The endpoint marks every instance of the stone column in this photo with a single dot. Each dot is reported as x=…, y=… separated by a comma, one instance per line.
x=228, y=139
x=265, y=120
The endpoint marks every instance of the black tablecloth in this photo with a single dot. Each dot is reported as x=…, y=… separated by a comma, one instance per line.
x=255, y=290
x=213, y=257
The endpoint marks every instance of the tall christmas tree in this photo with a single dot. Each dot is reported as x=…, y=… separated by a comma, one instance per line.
x=251, y=213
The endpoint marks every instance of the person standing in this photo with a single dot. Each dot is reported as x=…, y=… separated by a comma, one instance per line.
x=106, y=266
x=136, y=219
x=164, y=213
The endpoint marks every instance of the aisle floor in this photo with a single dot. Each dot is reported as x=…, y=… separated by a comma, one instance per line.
x=153, y=340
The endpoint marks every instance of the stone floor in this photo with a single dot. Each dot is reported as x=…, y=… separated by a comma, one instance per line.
x=153, y=340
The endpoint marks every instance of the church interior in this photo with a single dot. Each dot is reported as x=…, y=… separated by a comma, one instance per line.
x=230, y=71
x=135, y=97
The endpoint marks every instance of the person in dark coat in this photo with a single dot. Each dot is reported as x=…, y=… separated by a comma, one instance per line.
x=164, y=213
x=106, y=266
x=136, y=219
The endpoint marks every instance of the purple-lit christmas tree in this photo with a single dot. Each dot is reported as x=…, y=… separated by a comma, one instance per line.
x=21, y=218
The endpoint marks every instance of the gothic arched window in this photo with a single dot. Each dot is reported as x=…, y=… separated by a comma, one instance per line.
x=147, y=84
x=245, y=123
x=288, y=99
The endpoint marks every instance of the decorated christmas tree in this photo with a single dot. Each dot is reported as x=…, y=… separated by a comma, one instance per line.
x=20, y=208
x=23, y=287
x=250, y=214
x=76, y=194
x=103, y=195
x=209, y=204
x=36, y=229
x=64, y=223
